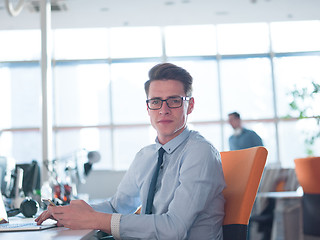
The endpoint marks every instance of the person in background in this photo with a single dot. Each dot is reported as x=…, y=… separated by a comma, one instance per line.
x=242, y=137
x=186, y=201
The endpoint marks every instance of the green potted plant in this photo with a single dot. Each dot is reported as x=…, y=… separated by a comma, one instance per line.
x=304, y=102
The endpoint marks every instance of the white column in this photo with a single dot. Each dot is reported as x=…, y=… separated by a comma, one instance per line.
x=46, y=76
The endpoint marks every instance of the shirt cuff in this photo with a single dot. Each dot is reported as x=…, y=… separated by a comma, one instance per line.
x=115, y=225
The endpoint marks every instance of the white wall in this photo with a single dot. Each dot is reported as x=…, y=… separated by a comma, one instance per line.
x=101, y=184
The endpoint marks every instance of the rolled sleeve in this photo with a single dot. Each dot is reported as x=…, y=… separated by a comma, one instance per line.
x=115, y=225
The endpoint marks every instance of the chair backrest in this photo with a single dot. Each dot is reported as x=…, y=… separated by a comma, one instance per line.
x=307, y=170
x=242, y=171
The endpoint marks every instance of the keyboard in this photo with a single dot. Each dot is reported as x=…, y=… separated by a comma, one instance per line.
x=17, y=225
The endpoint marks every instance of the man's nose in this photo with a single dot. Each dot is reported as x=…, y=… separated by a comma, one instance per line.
x=164, y=109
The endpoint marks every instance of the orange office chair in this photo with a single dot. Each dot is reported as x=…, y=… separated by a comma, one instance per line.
x=308, y=173
x=242, y=171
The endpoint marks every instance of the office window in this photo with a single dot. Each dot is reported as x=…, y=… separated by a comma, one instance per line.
x=212, y=132
x=128, y=95
x=70, y=141
x=205, y=89
x=267, y=132
x=5, y=96
x=21, y=146
x=20, y=85
x=80, y=43
x=136, y=42
x=128, y=141
x=295, y=71
x=99, y=99
x=243, y=38
x=292, y=135
x=82, y=94
x=190, y=40
x=247, y=87
x=18, y=45
x=295, y=36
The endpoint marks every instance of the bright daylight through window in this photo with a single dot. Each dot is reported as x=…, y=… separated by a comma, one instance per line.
x=99, y=99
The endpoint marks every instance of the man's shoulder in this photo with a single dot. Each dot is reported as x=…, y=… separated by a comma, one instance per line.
x=249, y=131
x=196, y=140
x=148, y=149
x=245, y=129
x=232, y=137
x=195, y=136
x=144, y=155
x=200, y=151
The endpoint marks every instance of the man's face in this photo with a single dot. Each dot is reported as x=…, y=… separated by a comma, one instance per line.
x=168, y=122
x=234, y=122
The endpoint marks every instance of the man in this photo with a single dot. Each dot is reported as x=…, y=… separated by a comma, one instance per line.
x=188, y=202
x=242, y=137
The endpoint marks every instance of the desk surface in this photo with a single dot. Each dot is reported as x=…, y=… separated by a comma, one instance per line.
x=285, y=194
x=58, y=233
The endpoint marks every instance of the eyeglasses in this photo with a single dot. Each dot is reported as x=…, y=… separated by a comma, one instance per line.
x=172, y=102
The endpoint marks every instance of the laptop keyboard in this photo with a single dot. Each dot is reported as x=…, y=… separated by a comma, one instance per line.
x=17, y=225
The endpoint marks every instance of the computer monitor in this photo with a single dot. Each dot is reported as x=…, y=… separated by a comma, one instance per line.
x=31, y=178
x=3, y=173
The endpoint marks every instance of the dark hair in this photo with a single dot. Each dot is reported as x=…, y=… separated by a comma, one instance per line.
x=235, y=114
x=169, y=71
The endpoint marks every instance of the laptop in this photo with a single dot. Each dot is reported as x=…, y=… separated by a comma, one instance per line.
x=17, y=223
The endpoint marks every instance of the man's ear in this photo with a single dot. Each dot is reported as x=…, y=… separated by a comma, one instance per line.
x=190, y=106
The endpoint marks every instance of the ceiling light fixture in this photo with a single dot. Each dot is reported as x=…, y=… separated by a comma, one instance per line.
x=14, y=7
x=168, y=3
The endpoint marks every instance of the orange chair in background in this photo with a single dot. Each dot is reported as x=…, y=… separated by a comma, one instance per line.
x=242, y=171
x=308, y=174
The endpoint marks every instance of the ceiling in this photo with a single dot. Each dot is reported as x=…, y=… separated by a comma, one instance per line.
x=111, y=13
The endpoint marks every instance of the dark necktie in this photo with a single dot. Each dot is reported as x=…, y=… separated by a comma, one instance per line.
x=154, y=182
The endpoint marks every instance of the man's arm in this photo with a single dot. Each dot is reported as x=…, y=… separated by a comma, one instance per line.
x=98, y=216
x=77, y=215
x=197, y=197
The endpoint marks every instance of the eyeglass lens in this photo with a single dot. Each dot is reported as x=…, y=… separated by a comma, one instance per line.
x=175, y=102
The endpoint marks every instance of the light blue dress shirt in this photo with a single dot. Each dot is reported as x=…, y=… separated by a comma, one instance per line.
x=188, y=202
x=247, y=139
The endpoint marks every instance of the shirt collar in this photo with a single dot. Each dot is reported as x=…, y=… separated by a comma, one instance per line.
x=172, y=145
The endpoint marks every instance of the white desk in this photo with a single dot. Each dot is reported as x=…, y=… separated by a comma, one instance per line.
x=281, y=195
x=58, y=233
x=287, y=222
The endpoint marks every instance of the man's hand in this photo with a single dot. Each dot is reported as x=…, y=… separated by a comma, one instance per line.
x=77, y=215
x=44, y=216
